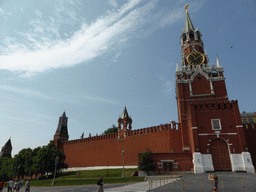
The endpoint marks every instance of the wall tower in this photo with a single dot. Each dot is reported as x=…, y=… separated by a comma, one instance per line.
x=6, y=149
x=61, y=133
x=126, y=121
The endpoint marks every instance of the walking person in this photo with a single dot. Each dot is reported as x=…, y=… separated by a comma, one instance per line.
x=19, y=185
x=27, y=186
x=15, y=186
x=10, y=185
x=100, y=184
x=215, y=181
x=1, y=185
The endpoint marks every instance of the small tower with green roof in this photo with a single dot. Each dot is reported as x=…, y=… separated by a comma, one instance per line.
x=61, y=133
x=126, y=121
x=6, y=149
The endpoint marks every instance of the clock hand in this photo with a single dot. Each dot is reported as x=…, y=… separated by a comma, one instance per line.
x=193, y=56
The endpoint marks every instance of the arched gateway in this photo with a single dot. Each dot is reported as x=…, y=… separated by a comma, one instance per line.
x=220, y=155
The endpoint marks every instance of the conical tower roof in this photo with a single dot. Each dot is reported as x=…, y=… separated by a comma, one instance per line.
x=188, y=24
x=8, y=143
x=64, y=114
x=125, y=113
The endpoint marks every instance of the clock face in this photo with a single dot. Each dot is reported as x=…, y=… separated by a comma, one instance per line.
x=195, y=58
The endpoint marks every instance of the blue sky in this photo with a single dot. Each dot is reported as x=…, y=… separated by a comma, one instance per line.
x=92, y=57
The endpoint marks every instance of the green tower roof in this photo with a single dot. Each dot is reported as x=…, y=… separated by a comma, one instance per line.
x=8, y=143
x=188, y=25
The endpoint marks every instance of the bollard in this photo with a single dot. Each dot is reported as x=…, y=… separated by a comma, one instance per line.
x=151, y=183
x=164, y=184
x=148, y=184
x=160, y=182
x=242, y=182
x=202, y=184
x=222, y=183
x=183, y=187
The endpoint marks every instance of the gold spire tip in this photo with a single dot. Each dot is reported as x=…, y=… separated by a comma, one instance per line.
x=186, y=7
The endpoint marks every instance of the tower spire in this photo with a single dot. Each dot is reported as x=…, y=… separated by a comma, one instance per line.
x=177, y=66
x=218, y=63
x=188, y=24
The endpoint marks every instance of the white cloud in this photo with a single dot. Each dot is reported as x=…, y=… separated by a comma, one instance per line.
x=113, y=3
x=29, y=120
x=4, y=13
x=42, y=49
x=87, y=97
x=22, y=91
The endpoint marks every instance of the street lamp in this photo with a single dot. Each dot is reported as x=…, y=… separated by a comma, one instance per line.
x=123, y=161
x=18, y=168
x=107, y=168
x=56, y=162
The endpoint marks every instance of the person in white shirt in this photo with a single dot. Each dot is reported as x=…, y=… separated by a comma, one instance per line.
x=10, y=185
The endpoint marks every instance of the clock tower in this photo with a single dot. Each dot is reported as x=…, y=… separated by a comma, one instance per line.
x=211, y=127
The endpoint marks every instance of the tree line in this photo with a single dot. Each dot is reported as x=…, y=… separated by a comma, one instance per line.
x=30, y=162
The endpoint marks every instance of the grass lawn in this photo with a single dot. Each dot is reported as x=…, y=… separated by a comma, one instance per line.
x=90, y=177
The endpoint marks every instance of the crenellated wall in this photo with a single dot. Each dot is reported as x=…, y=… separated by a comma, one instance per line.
x=106, y=149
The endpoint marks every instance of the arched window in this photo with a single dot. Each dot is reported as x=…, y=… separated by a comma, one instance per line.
x=191, y=35
x=214, y=74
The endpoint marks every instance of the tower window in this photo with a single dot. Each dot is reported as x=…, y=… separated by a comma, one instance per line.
x=207, y=107
x=212, y=106
x=214, y=74
x=201, y=107
x=225, y=106
x=191, y=36
x=216, y=124
x=195, y=108
x=201, y=126
x=231, y=106
x=219, y=106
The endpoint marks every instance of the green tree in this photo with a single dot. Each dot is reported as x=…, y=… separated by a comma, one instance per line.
x=35, y=168
x=46, y=156
x=6, y=167
x=146, y=163
x=111, y=130
x=22, y=162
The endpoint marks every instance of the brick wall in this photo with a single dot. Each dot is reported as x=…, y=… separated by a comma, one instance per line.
x=96, y=151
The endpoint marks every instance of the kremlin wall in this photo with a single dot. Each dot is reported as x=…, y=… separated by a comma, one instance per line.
x=106, y=149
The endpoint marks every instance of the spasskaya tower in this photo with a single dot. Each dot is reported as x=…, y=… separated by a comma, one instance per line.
x=210, y=124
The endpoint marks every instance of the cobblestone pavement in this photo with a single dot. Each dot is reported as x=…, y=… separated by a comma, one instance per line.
x=228, y=182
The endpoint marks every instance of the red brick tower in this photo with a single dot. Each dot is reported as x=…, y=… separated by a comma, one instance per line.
x=210, y=124
x=124, y=120
x=61, y=133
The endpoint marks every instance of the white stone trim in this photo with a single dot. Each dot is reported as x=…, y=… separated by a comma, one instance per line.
x=197, y=71
x=239, y=126
x=242, y=162
x=204, y=134
x=207, y=162
x=167, y=161
x=194, y=128
x=198, y=163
